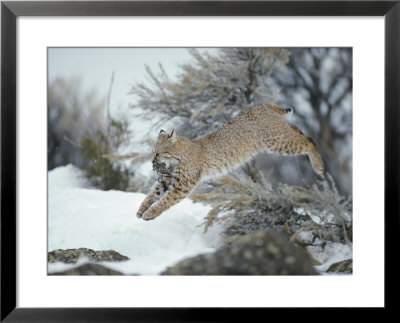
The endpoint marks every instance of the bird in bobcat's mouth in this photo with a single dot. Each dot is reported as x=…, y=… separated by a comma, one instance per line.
x=163, y=168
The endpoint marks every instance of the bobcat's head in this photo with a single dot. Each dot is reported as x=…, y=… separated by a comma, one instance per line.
x=166, y=153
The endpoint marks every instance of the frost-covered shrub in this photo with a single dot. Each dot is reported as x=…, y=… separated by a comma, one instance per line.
x=329, y=213
x=212, y=88
x=308, y=214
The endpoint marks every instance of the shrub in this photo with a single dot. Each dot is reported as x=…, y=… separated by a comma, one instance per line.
x=245, y=205
x=101, y=171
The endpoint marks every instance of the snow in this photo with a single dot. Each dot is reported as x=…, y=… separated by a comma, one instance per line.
x=145, y=169
x=83, y=217
x=331, y=253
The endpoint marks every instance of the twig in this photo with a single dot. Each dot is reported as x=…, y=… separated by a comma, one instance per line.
x=108, y=122
x=73, y=143
x=119, y=157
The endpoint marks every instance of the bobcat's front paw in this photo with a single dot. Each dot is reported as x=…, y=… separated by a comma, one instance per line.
x=150, y=214
x=139, y=213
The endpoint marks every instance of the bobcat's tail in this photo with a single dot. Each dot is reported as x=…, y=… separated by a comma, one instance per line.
x=278, y=109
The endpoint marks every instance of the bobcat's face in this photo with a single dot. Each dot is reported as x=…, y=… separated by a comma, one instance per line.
x=165, y=154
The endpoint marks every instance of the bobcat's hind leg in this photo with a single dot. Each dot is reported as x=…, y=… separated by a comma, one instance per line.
x=299, y=144
x=313, y=154
x=310, y=149
x=154, y=195
x=316, y=160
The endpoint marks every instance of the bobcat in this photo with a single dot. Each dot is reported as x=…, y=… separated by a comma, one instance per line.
x=182, y=163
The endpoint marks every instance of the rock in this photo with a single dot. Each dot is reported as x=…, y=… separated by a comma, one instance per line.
x=71, y=256
x=345, y=267
x=88, y=269
x=261, y=253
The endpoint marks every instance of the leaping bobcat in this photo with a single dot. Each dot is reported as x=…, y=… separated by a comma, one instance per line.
x=182, y=163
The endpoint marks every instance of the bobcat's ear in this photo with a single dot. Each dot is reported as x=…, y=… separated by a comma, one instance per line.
x=162, y=133
x=172, y=136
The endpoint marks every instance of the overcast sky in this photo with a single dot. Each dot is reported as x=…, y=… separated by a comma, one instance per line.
x=94, y=67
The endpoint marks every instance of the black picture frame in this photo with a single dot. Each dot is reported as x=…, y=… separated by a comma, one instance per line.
x=10, y=10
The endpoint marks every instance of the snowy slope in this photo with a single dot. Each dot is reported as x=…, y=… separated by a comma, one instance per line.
x=83, y=217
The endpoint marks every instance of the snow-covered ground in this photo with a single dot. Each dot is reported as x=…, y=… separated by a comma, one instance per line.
x=331, y=253
x=83, y=217
x=80, y=216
